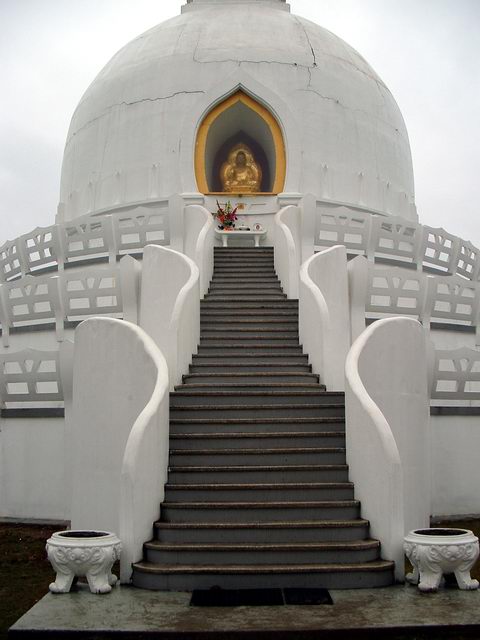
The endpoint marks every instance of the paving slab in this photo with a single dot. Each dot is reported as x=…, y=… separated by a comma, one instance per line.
x=398, y=612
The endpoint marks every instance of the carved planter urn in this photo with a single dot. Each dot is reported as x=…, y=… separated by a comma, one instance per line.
x=83, y=553
x=437, y=551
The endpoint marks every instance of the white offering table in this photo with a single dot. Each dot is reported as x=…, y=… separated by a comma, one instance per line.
x=237, y=233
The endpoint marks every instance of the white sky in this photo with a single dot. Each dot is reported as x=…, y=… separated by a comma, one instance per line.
x=426, y=51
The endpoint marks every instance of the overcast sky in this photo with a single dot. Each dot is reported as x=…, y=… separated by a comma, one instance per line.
x=426, y=51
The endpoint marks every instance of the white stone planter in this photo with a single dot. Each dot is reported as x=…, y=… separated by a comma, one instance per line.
x=83, y=553
x=434, y=552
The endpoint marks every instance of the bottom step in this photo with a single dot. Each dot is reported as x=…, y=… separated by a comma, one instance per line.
x=329, y=576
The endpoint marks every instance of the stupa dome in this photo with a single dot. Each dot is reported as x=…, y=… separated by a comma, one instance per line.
x=133, y=136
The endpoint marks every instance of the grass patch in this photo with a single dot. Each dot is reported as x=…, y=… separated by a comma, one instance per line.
x=25, y=572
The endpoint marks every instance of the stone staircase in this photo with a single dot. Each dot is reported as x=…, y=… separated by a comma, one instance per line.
x=258, y=493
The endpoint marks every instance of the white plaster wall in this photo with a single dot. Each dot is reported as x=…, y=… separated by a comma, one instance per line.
x=32, y=469
x=170, y=306
x=113, y=380
x=455, y=467
x=387, y=428
x=132, y=135
x=42, y=340
x=451, y=339
x=324, y=319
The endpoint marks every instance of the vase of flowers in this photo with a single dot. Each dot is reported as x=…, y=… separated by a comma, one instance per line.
x=226, y=216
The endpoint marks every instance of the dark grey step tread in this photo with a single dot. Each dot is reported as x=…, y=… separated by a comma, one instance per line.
x=359, y=523
x=245, y=394
x=224, y=299
x=216, y=323
x=233, y=339
x=203, y=368
x=262, y=468
x=373, y=566
x=251, y=385
x=279, y=359
x=244, y=342
x=253, y=316
x=248, y=407
x=248, y=451
x=263, y=486
x=238, y=283
x=291, y=359
x=288, y=303
x=289, y=366
x=279, y=420
x=260, y=435
x=255, y=305
x=252, y=375
x=305, y=504
x=221, y=278
x=254, y=333
x=255, y=350
x=261, y=546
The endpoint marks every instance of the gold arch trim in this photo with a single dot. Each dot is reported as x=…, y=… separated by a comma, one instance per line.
x=267, y=117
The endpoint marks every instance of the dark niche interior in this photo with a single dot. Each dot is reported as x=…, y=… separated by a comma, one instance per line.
x=221, y=156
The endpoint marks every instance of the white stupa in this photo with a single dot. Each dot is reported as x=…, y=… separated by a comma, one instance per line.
x=133, y=135
x=240, y=102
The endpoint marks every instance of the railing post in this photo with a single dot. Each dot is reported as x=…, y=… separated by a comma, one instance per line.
x=5, y=315
x=130, y=276
x=108, y=227
x=357, y=293
x=308, y=207
x=55, y=293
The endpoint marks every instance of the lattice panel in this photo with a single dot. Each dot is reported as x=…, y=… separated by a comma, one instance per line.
x=134, y=231
x=456, y=375
x=10, y=261
x=468, y=260
x=439, y=249
x=395, y=291
x=396, y=238
x=41, y=247
x=29, y=300
x=89, y=238
x=342, y=226
x=30, y=376
x=452, y=298
x=95, y=292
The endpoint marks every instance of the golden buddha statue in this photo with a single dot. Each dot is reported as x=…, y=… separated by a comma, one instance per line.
x=240, y=173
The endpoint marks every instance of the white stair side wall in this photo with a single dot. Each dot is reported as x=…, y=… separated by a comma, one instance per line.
x=288, y=248
x=387, y=428
x=324, y=323
x=119, y=433
x=199, y=242
x=170, y=306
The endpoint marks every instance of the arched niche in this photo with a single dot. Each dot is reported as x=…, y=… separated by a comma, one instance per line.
x=239, y=118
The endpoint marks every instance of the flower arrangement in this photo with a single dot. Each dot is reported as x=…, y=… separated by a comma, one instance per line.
x=226, y=215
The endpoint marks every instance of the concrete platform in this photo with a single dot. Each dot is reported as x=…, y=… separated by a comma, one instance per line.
x=395, y=613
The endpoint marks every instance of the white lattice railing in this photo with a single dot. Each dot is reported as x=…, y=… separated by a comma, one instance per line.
x=70, y=295
x=86, y=238
x=393, y=291
x=30, y=376
x=456, y=375
x=376, y=236
x=33, y=377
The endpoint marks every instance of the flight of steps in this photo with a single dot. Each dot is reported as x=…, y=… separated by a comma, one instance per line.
x=258, y=492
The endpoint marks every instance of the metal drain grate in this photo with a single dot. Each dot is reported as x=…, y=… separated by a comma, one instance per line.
x=217, y=597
